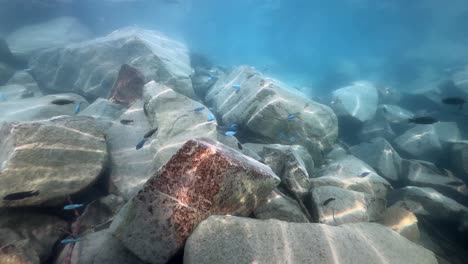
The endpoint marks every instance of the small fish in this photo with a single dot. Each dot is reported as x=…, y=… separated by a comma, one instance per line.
x=78, y=107
x=230, y=133
x=199, y=109
x=62, y=101
x=423, y=120
x=211, y=117
x=292, y=139
x=364, y=174
x=150, y=133
x=454, y=101
x=291, y=116
x=72, y=206
x=70, y=240
x=236, y=86
x=126, y=121
x=327, y=201
x=239, y=145
x=141, y=143
x=20, y=195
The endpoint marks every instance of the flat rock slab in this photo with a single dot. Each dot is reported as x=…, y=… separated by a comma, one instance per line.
x=154, y=55
x=229, y=239
x=57, y=157
x=203, y=178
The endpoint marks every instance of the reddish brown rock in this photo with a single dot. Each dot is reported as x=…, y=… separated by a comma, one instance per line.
x=128, y=87
x=203, y=178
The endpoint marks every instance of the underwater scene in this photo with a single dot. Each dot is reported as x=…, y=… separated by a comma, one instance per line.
x=233, y=131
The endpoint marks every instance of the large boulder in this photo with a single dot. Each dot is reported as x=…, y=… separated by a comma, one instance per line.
x=203, y=178
x=395, y=114
x=6, y=72
x=458, y=154
x=267, y=109
x=151, y=53
x=336, y=206
x=20, y=86
x=229, y=239
x=40, y=108
x=56, y=32
x=103, y=109
x=379, y=154
x=51, y=159
x=377, y=127
x=357, y=101
x=401, y=221
x=16, y=250
x=130, y=167
x=39, y=230
x=281, y=207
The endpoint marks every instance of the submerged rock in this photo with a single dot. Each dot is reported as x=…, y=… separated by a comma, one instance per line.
x=267, y=109
x=53, y=159
x=203, y=178
x=20, y=86
x=56, y=32
x=39, y=230
x=281, y=207
x=153, y=54
x=357, y=101
x=374, y=128
x=6, y=72
x=379, y=154
x=229, y=239
x=16, y=250
x=40, y=108
x=458, y=153
x=103, y=109
x=337, y=206
x=128, y=87
x=402, y=221
x=395, y=114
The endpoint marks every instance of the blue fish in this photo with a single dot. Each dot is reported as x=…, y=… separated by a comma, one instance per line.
x=281, y=135
x=292, y=139
x=291, y=116
x=72, y=206
x=210, y=78
x=199, y=109
x=78, y=107
x=233, y=127
x=70, y=240
x=141, y=143
x=236, y=86
x=211, y=117
x=230, y=133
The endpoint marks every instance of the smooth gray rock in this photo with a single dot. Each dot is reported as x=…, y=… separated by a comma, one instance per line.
x=39, y=108
x=104, y=109
x=153, y=54
x=379, y=154
x=20, y=86
x=6, y=72
x=337, y=206
x=229, y=239
x=377, y=127
x=458, y=156
x=57, y=157
x=402, y=221
x=56, y=32
x=130, y=168
x=203, y=178
x=358, y=101
x=99, y=213
x=39, y=230
x=267, y=109
x=279, y=206
x=395, y=114
x=16, y=250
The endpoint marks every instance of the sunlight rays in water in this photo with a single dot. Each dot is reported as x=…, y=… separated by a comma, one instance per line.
x=406, y=222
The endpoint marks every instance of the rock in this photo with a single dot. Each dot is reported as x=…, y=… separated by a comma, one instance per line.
x=100, y=247
x=174, y=116
x=458, y=157
x=377, y=127
x=103, y=109
x=20, y=86
x=57, y=157
x=336, y=153
x=15, y=250
x=337, y=206
x=425, y=174
x=357, y=101
x=395, y=114
x=352, y=174
x=266, y=109
x=229, y=239
x=402, y=221
x=203, y=178
x=279, y=206
x=39, y=230
x=130, y=168
x=153, y=54
x=428, y=202
x=379, y=154
x=56, y=32
x=7, y=58
x=98, y=214
x=39, y=108
x=428, y=142
x=128, y=87
x=6, y=72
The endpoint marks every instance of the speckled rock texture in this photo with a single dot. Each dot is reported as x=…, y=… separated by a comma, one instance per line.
x=237, y=240
x=128, y=87
x=57, y=157
x=203, y=178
